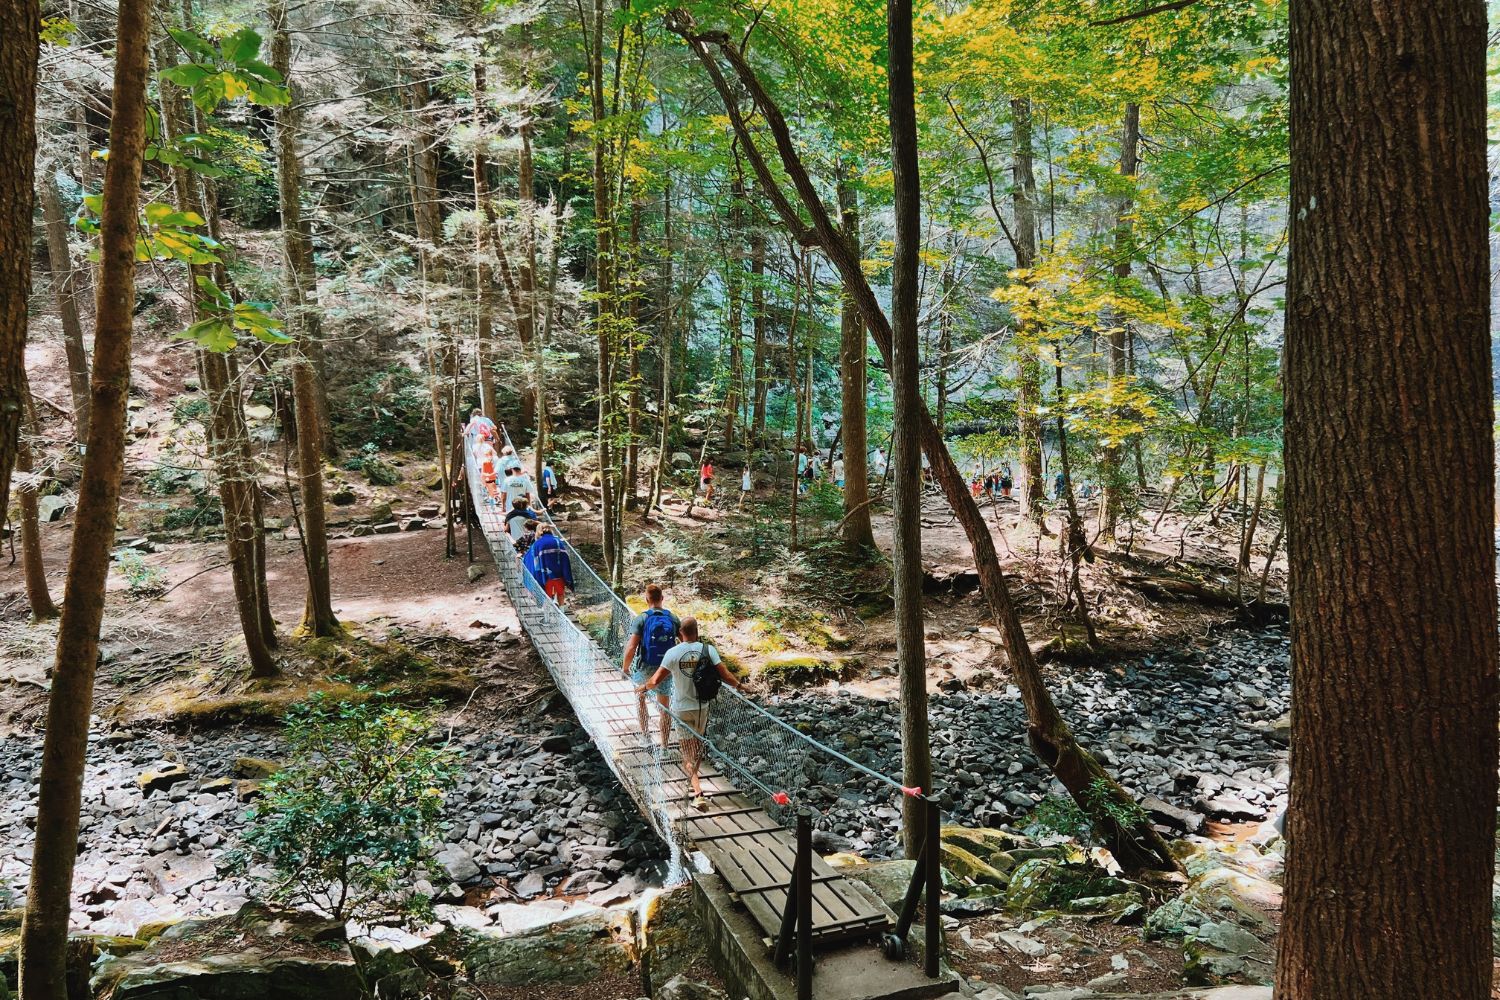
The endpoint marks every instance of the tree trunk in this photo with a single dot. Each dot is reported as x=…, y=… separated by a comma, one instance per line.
x=760, y=377
x=44, y=933
x=35, y=571
x=1075, y=543
x=858, y=533
x=906, y=375
x=734, y=286
x=664, y=401
x=18, y=61
x=532, y=415
x=301, y=283
x=227, y=437
x=1028, y=365
x=64, y=287
x=1136, y=844
x=486, y=249
x=1110, y=472
x=1392, y=813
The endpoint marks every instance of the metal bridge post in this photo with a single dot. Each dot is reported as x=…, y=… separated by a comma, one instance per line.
x=802, y=877
x=468, y=513
x=932, y=860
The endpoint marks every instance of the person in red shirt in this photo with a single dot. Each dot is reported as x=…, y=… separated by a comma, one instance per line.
x=706, y=480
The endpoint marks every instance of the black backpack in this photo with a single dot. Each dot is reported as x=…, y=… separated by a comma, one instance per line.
x=705, y=674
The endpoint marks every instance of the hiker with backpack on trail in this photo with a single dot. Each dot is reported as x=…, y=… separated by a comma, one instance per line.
x=693, y=672
x=652, y=633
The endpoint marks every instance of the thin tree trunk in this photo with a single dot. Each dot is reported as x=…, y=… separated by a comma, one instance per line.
x=300, y=281
x=1392, y=812
x=34, y=569
x=64, y=287
x=858, y=532
x=664, y=401
x=1028, y=364
x=906, y=375
x=1134, y=843
x=486, y=249
x=1249, y=539
x=1074, y=542
x=44, y=932
x=18, y=79
x=760, y=378
x=1124, y=249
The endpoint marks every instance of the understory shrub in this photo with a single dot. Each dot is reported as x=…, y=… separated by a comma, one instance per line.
x=348, y=824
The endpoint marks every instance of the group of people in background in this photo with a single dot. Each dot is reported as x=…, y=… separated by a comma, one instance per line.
x=507, y=486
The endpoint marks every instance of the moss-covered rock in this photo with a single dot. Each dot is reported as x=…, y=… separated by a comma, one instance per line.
x=1040, y=884
x=255, y=767
x=965, y=865
x=800, y=668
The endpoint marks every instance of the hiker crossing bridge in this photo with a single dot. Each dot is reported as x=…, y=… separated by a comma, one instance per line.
x=756, y=830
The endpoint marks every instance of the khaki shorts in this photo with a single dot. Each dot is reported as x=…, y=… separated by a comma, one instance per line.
x=695, y=719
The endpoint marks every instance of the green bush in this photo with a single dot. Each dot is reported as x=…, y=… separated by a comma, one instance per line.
x=141, y=579
x=389, y=408
x=348, y=825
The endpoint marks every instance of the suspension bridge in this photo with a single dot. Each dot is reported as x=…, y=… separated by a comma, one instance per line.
x=784, y=914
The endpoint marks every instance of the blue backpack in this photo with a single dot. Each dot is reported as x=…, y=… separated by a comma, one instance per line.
x=658, y=635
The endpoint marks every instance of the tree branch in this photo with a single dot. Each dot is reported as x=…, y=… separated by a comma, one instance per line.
x=1160, y=8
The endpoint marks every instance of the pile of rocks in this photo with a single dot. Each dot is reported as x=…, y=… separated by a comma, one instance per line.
x=537, y=814
x=1196, y=734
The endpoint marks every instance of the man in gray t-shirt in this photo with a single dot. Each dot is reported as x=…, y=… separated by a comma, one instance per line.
x=692, y=715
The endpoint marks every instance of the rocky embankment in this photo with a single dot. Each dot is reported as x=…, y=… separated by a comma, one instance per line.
x=538, y=814
x=1196, y=734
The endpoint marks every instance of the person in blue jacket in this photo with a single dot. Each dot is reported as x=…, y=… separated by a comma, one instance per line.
x=548, y=563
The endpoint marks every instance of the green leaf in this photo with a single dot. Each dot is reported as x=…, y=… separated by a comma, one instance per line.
x=209, y=334
x=241, y=47
x=187, y=75
x=260, y=69
x=193, y=42
x=207, y=286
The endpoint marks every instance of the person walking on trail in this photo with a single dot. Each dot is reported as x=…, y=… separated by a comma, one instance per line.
x=804, y=470
x=695, y=672
x=1007, y=482
x=528, y=536
x=653, y=633
x=549, y=484
x=517, y=516
x=485, y=458
x=518, y=485
x=706, y=480
x=838, y=470
x=1059, y=483
x=480, y=427
x=878, y=466
x=745, y=485
x=548, y=563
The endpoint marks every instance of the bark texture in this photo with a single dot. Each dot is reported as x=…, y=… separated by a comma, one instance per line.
x=301, y=283
x=65, y=288
x=44, y=932
x=1028, y=365
x=18, y=56
x=858, y=532
x=906, y=376
x=1390, y=506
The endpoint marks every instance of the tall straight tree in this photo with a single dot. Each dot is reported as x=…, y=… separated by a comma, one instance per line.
x=906, y=375
x=858, y=532
x=18, y=58
x=64, y=287
x=1391, y=825
x=1124, y=250
x=44, y=932
x=301, y=282
x=1028, y=363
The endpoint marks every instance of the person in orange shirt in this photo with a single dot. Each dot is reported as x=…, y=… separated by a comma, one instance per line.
x=484, y=452
x=706, y=479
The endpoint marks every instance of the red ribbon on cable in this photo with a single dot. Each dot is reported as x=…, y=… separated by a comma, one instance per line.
x=781, y=799
x=914, y=791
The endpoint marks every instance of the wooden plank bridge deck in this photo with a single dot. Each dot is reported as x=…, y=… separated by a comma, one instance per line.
x=746, y=846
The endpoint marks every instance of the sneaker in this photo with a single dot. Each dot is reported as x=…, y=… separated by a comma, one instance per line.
x=700, y=803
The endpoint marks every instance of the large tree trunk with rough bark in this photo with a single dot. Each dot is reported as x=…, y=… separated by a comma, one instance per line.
x=65, y=289
x=44, y=932
x=301, y=283
x=1391, y=825
x=906, y=376
x=1135, y=844
x=18, y=58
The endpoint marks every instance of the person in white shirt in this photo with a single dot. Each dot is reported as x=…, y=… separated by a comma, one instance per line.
x=518, y=486
x=691, y=714
x=838, y=471
x=879, y=464
x=745, y=485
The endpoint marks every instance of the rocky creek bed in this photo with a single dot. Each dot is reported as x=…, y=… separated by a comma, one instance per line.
x=539, y=815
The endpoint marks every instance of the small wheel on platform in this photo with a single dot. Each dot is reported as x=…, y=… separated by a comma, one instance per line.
x=893, y=947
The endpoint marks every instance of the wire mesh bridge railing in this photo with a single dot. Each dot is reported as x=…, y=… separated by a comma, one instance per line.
x=761, y=776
